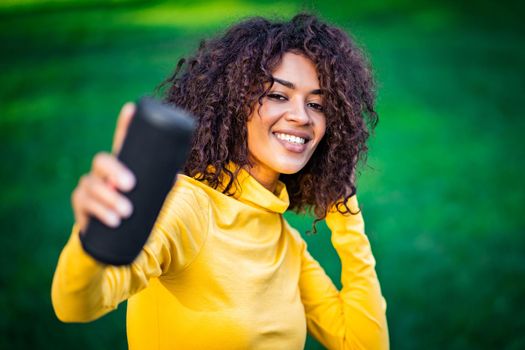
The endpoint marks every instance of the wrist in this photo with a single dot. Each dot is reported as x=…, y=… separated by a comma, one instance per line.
x=340, y=216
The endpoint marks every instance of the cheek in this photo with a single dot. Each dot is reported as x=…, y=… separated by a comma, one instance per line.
x=257, y=134
x=271, y=112
x=320, y=126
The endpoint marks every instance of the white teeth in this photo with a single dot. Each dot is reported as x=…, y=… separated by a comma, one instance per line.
x=290, y=138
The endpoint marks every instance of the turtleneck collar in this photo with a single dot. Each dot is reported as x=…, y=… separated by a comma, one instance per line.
x=248, y=190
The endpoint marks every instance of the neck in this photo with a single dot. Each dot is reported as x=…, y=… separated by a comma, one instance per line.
x=266, y=177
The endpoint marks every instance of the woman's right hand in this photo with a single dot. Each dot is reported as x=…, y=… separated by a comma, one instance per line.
x=96, y=193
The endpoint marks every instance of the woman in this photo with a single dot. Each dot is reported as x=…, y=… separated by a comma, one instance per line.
x=281, y=109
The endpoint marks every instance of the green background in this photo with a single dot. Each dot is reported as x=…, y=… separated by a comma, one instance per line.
x=442, y=192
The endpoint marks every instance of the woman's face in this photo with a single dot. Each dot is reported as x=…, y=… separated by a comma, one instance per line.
x=284, y=132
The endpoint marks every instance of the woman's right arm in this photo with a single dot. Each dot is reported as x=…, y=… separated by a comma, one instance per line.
x=84, y=289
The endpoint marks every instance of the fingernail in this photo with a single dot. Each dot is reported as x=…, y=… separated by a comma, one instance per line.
x=128, y=107
x=127, y=181
x=125, y=208
x=112, y=220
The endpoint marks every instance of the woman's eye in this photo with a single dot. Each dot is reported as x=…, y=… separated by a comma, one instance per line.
x=276, y=97
x=316, y=106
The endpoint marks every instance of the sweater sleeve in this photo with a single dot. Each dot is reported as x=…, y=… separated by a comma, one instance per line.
x=84, y=289
x=355, y=317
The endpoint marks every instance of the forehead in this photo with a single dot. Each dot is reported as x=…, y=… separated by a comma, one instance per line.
x=299, y=70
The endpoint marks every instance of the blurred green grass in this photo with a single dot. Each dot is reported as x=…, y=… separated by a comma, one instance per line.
x=442, y=191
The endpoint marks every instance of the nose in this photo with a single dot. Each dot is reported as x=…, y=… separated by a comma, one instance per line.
x=297, y=113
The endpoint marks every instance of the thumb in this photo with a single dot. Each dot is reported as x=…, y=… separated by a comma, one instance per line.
x=123, y=122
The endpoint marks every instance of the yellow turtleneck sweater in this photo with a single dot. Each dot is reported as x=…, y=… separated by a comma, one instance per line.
x=223, y=272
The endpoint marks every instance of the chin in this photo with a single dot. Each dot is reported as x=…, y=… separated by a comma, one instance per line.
x=290, y=167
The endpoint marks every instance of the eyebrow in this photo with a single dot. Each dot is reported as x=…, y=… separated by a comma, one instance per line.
x=291, y=85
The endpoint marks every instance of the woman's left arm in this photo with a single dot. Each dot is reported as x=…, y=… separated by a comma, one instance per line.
x=355, y=317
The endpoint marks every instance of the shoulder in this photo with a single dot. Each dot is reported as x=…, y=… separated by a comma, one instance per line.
x=189, y=191
x=186, y=204
x=181, y=228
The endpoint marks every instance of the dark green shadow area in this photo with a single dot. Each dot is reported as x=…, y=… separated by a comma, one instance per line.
x=442, y=192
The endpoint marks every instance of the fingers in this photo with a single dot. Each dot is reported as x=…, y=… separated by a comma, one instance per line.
x=108, y=198
x=101, y=212
x=109, y=168
x=123, y=121
x=81, y=216
x=96, y=193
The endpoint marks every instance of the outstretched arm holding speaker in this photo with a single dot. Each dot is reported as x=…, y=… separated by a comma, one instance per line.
x=88, y=281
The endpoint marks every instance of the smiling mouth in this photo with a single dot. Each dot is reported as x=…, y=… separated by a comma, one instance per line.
x=291, y=138
x=292, y=143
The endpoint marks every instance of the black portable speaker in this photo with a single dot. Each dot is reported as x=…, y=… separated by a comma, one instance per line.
x=155, y=149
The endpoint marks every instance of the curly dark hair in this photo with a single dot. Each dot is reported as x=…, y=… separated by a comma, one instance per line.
x=229, y=74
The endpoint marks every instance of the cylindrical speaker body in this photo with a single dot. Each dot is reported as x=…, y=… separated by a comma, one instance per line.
x=155, y=149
